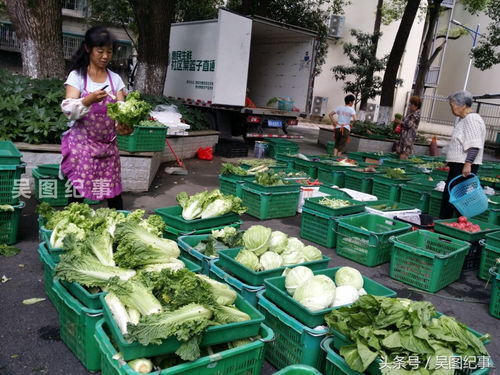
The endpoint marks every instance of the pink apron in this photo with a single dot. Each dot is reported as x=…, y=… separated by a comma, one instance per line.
x=91, y=160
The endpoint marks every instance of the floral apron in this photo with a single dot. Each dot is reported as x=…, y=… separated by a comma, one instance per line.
x=91, y=160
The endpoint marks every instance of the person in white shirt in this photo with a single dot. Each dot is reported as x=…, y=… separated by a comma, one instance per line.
x=465, y=150
x=341, y=118
x=91, y=160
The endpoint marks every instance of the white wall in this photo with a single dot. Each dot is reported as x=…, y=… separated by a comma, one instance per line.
x=457, y=59
x=361, y=15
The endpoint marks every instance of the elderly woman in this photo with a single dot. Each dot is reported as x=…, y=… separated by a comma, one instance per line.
x=465, y=150
x=409, y=128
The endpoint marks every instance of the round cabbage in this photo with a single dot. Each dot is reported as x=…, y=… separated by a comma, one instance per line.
x=270, y=260
x=256, y=239
x=291, y=257
x=295, y=244
x=295, y=277
x=345, y=295
x=317, y=293
x=349, y=276
x=312, y=253
x=248, y=259
x=278, y=241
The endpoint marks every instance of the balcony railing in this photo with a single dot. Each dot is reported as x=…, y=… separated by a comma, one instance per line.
x=71, y=42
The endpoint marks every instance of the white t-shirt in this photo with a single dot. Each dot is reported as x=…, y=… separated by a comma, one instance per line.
x=469, y=131
x=76, y=80
x=345, y=114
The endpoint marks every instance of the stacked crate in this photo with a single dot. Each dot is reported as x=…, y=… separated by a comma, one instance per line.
x=11, y=188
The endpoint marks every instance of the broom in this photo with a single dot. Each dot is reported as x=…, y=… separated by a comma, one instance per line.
x=181, y=169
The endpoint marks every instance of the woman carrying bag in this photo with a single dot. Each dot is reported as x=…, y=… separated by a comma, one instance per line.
x=465, y=150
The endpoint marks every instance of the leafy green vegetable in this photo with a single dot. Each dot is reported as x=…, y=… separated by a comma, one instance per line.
x=270, y=260
x=229, y=236
x=9, y=251
x=334, y=202
x=152, y=123
x=269, y=179
x=316, y=293
x=223, y=293
x=6, y=207
x=258, y=162
x=137, y=247
x=141, y=365
x=87, y=270
x=101, y=245
x=248, y=259
x=133, y=293
x=278, y=241
x=208, y=204
x=397, y=327
x=257, y=239
x=228, y=169
x=396, y=173
x=130, y=112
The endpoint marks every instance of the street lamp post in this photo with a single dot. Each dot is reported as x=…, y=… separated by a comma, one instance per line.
x=474, y=34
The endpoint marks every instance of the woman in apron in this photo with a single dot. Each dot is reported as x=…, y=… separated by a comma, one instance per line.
x=91, y=160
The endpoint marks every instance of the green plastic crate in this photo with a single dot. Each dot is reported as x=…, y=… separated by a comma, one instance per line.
x=354, y=208
x=50, y=189
x=248, y=292
x=231, y=184
x=242, y=360
x=489, y=256
x=427, y=260
x=329, y=176
x=330, y=146
x=435, y=203
x=276, y=293
x=384, y=188
x=298, y=370
x=286, y=158
x=10, y=186
x=294, y=342
x=77, y=326
x=290, y=186
x=486, y=228
x=335, y=364
x=267, y=205
x=9, y=223
x=359, y=180
x=275, y=150
x=93, y=300
x=364, y=238
x=415, y=197
x=334, y=192
x=388, y=206
x=212, y=336
x=173, y=218
x=188, y=244
x=493, y=239
x=143, y=139
x=9, y=154
x=48, y=271
x=307, y=166
x=48, y=169
x=495, y=296
x=228, y=263
x=318, y=227
x=173, y=233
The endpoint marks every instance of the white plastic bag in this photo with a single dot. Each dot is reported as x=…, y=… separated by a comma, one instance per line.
x=167, y=115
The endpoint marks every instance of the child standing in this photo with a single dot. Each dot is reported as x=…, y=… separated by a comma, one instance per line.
x=342, y=124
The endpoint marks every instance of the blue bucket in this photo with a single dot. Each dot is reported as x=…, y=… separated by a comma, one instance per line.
x=468, y=196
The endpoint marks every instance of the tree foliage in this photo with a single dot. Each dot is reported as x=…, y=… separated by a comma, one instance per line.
x=487, y=53
x=358, y=77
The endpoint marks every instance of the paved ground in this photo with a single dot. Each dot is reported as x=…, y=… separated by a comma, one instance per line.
x=29, y=334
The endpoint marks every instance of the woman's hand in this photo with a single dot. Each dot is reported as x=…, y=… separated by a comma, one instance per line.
x=466, y=169
x=123, y=129
x=94, y=97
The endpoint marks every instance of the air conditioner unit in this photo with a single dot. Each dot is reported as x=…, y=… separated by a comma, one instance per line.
x=336, y=26
x=371, y=112
x=319, y=105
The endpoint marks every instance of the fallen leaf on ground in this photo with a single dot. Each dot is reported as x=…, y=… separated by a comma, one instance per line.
x=9, y=251
x=4, y=279
x=31, y=301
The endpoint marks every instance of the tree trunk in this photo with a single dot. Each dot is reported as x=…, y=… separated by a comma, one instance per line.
x=153, y=19
x=391, y=72
x=38, y=27
x=375, y=38
x=425, y=62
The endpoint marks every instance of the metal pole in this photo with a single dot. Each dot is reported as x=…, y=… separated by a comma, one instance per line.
x=474, y=39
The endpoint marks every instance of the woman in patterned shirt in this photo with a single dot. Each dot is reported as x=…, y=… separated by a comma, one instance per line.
x=409, y=128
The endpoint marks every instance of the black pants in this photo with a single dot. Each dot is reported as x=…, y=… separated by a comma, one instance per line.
x=115, y=202
x=447, y=209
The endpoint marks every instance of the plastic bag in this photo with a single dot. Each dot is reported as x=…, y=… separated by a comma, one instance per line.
x=440, y=186
x=205, y=153
x=167, y=114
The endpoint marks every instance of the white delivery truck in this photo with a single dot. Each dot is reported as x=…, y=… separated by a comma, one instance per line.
x=216, y=64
